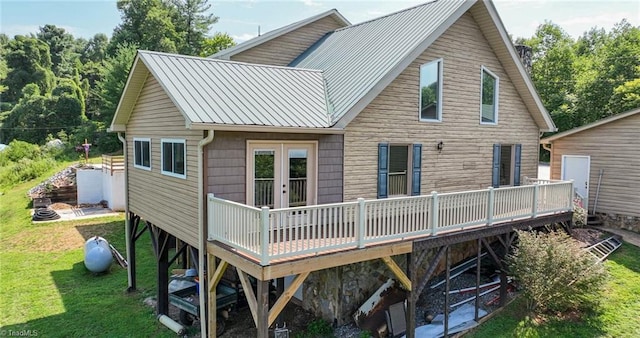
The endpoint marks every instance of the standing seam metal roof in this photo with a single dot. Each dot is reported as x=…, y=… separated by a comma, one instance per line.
x=225, y=92
x=355, y=58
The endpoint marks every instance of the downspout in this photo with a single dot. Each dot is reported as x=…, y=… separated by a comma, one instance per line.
x=127, y=222
x=202, y=239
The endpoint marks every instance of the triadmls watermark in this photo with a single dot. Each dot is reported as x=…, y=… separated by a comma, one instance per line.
x=18, y=333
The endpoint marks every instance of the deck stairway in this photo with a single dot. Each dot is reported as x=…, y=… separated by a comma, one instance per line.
x=604, y=248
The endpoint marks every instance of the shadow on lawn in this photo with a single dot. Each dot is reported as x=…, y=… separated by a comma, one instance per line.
x=627, y=256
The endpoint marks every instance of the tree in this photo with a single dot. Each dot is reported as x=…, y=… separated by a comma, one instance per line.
x=114, y=77
x=192, y=22
x=96, y=49
x=61, y=47
x=216, y=43
x=625, y=97
x=28, y=61
x=146, y=23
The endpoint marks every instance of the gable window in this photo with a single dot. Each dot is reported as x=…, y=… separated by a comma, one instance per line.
x=489, y=97
x=506, y=164
x=142, y=153
x=431, y=91
x=399, y=168
x=173, y=157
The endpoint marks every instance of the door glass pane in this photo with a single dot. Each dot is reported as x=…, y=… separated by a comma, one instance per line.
x=297, y=177
x=398, y=165
x=505, y=165
x=264, y=171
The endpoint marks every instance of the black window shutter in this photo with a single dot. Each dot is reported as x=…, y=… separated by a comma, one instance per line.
x=516, y=168
x=496, y=166
x=383, y=170
x=416, y=169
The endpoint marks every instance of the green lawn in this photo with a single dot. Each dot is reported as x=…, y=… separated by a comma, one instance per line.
x=618, y=313
x=45, y=288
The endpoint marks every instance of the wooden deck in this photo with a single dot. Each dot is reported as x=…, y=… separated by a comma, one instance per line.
x=274, y=243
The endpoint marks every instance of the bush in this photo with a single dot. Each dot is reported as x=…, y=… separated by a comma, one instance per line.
x=317, y=328
x=18, y=150
x=555, y=273
x=24, y=170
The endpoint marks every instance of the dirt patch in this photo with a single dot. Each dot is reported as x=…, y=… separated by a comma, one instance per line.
x=586, y=236
x=57, y=237
x=60, y=206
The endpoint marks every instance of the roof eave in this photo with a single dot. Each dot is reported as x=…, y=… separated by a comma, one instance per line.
x=263, y=128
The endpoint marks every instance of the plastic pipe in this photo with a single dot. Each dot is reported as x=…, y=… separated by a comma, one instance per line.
x=172, y=325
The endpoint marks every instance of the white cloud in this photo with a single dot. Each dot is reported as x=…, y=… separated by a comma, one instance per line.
x=243, y=37
x=311, y=3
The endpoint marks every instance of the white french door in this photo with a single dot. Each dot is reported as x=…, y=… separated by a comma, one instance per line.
x=281, y=174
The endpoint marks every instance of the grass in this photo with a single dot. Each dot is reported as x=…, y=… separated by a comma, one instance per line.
x=45, y=288
x=617, y=315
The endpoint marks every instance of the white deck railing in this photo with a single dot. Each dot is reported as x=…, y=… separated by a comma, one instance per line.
x=267, y=234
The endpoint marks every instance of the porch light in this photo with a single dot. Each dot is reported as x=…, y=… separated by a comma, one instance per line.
x=439, y=146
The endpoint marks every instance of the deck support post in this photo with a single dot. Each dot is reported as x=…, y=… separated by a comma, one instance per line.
x=263, y=308
x=132, y=236
x=478, y=260
x=446, y=292
x=279, y=292
x=160, y=242
x=213, y=279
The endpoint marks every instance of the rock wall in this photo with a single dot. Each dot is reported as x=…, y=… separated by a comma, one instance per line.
x=631, y=223
x=335, y=294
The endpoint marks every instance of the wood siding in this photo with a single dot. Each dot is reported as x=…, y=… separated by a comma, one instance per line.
x=168, y=202
x=226, y=163
x=615, y=148
x=282, y=50
x=465, y=162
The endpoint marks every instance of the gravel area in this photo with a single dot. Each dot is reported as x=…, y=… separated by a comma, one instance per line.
x=62, y=178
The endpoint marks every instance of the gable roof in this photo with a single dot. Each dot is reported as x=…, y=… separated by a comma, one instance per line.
x=360, y=60
x=226, y=54
x=214, y=93
x=353, y=65
x=589, y=126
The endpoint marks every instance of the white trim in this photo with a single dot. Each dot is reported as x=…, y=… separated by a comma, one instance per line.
x=609, y=119
x=279, y=167
x=265, y=129
x=170, y=173
x=440, y=64
x=496, y=95
x=140, y=166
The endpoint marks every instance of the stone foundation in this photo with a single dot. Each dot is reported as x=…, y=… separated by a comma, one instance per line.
x=617, y=221
x=335, y=294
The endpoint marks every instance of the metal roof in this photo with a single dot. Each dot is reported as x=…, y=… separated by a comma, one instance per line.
x=226, y=54
x=357, y=58
x=211, y=91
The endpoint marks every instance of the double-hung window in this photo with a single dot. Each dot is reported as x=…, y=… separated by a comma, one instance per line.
x=142, y=153
x=431, y=91
x=489, y=90
x=173, y=152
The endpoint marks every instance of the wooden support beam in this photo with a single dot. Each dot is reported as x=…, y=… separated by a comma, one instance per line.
x=286, y=296
x=432, y=268
x=217, y=275
x=263, y=308
x=492, y=253
x=446, y=292
x=248, y=292
x=504, y=244
x=393, y=266
x=212, y=306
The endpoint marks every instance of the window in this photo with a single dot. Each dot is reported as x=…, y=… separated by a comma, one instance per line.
x=506, y=164
x=399, y=169
x=173, y=158
x=431, y=91
x=489, y=97
x=142, y=153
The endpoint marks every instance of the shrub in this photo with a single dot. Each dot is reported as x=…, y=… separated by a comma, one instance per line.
x=555, y=273
x=24, y=170
x=18, y=150
x=317, y=328
x=579, y=213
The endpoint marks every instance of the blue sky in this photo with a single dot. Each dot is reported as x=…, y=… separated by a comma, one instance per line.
x=241, y=18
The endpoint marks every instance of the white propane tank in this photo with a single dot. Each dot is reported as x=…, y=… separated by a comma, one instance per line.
x=97, y=254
